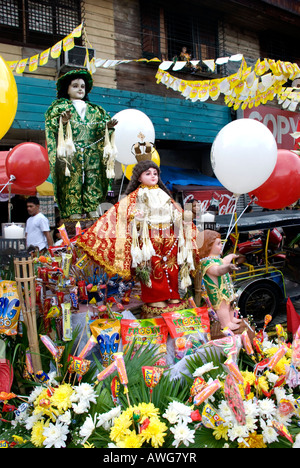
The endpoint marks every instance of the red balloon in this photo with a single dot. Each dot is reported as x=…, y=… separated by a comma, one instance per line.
x=29, y=163
x=283, y=186
x=15, y=189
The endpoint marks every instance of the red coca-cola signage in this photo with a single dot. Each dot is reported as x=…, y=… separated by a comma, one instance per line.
x=281, y=123
x=225, y=198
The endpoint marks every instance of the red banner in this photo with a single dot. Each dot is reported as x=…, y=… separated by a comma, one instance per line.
x=281, y=123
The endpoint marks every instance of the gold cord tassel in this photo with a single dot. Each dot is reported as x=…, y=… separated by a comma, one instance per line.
x=61, y=147
x=109, y=154
x=147, y=249
x=69, y=144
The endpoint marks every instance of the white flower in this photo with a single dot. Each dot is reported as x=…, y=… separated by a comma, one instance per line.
x=65, y=418
x=272, y=378
x=31, y=420
x=56, y=435
x=279, y=393
x=171, y=415
x=266, y=344
x=35, y=393
x=238, y=432
x=251, y=423
x=297, y=442
x=106, y=420
x=251, y=408
x=268, y=432
x=84, y=392
x=226, y=413
x=183, y=412
x=267, y=408
x=87, y=429
x=182, y=434
x=203, y=369
x=52, y=382
x=81, y=407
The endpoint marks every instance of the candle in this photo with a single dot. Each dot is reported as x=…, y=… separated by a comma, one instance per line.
x=208, y=217
x=14, y=231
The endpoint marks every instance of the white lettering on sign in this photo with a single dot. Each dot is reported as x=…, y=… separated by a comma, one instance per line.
x=280, y=125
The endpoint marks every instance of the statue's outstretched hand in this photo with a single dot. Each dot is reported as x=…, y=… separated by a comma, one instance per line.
x=112, y=123
x=66, y=116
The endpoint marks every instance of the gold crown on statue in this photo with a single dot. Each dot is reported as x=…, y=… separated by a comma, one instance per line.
x=142, y=150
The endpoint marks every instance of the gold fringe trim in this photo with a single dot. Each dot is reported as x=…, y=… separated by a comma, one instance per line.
x=110, y=270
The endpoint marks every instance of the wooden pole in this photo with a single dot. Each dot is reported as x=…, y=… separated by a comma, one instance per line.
x=197, y=286
x=26, y=285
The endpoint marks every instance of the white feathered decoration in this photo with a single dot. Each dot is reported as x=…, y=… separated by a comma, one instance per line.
x=136, y=253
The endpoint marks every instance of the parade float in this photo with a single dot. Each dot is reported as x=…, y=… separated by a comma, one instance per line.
x=79, y=367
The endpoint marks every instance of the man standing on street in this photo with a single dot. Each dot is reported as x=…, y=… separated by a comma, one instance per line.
x=37, y=226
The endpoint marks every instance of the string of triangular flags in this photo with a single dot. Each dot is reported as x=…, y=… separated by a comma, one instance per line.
x=65, y=44
x=249, y=87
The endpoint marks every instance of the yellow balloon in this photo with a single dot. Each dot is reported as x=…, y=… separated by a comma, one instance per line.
x=127, y=170
x=8, y=97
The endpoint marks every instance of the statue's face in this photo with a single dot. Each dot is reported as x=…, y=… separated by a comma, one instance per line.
x=149, y=177
x=76, y=89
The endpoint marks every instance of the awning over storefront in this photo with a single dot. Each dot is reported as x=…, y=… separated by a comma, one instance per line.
x=184, y=182
x=172, y=176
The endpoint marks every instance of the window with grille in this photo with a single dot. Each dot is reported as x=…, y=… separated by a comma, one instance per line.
x=38, y=22
x=167, y=29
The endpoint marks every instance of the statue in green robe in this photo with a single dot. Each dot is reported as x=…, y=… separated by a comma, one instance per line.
x=76, y=131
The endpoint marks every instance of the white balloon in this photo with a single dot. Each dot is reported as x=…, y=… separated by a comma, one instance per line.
x=243, y=155
x=131, y=123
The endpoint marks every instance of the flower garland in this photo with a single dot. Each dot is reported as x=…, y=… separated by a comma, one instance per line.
x=247, y=88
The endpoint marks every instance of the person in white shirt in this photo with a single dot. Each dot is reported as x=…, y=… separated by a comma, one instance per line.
x=37, y=226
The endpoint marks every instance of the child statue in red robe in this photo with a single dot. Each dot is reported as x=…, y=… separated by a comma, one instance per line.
x=146, y=236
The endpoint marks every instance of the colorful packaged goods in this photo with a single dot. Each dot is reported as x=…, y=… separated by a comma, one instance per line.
x=145, y=332
x=66, y=319
x=189, y=328
x=9, y=308
x=107, y=333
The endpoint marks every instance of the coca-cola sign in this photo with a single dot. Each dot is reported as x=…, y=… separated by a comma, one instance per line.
x=204, y=197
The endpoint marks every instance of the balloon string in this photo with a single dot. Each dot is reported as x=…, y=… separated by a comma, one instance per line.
x=11, y=179
x=231, y=222
x=230, y=229
x=121, y=188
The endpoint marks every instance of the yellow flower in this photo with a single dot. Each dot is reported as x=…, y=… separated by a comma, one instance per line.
x=148, y=409
x=37, y=437
x=120, y=428
x=61, y=397
x=155, y=432
x=254, y=441
x=88, y=445
x=131, y=440
x=280, y=367
x=19, y=440
x=262, y=384
x=43, y=395
x=221, y=432
x=249, y=377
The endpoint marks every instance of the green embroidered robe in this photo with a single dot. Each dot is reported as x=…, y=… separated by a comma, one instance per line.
x=87, y=185
x=217, y=292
